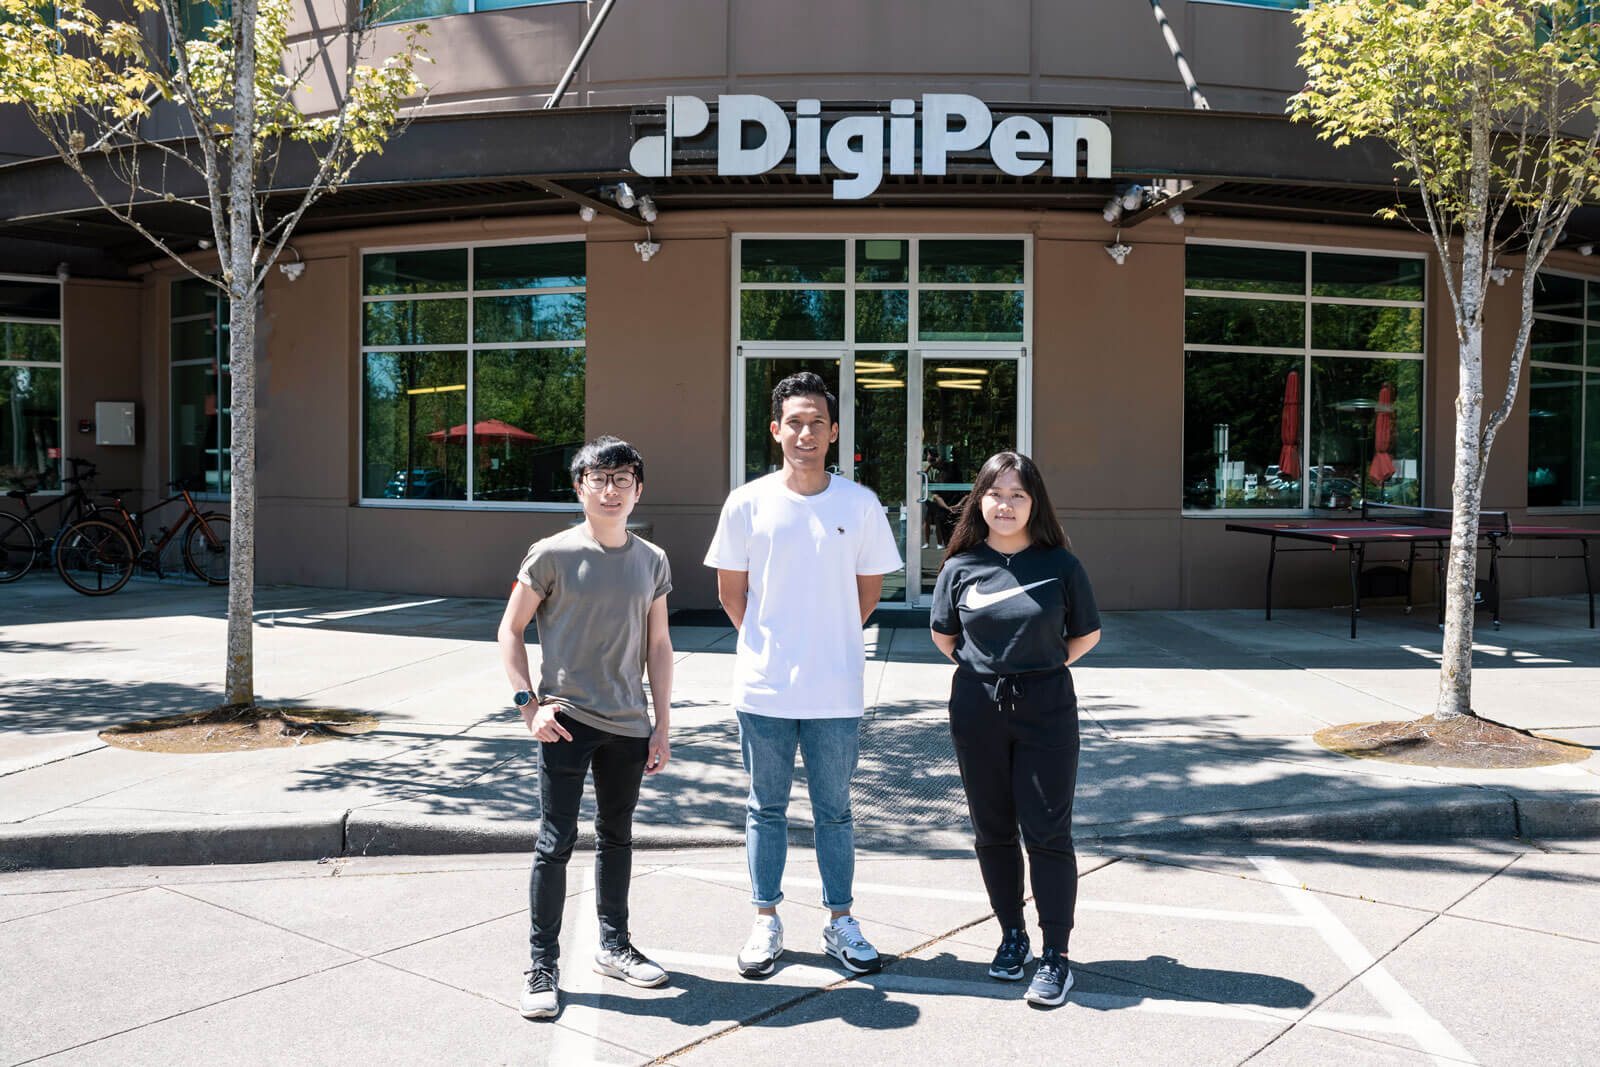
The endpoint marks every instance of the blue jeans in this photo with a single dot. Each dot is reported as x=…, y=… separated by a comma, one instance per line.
x=829, y=749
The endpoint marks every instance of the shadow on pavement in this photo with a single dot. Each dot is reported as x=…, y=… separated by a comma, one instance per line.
x=1166, y=978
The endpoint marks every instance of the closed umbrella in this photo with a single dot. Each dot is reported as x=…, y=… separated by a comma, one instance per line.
x=1289, y=458
x=1382, y=466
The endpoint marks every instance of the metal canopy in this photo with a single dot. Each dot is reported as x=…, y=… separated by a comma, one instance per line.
x=531, y=162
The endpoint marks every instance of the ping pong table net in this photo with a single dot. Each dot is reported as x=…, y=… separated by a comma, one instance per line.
x=1489, y=522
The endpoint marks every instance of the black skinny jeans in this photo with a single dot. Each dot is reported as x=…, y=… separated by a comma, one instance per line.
x=618, y=764
x=1016, y=740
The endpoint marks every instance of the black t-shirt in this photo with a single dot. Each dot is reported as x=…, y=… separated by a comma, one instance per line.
x=1013, y=617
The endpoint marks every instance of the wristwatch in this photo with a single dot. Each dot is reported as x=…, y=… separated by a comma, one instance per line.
x=521, y=698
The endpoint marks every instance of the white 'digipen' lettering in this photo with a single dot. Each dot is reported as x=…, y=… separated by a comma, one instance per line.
x=854, y=145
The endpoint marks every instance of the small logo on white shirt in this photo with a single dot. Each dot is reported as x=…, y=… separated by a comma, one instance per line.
x=977, y=601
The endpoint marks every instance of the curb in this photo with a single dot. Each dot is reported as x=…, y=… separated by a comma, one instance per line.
x=1472, y=814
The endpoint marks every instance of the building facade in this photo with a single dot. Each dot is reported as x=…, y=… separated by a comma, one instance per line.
x=987, y=226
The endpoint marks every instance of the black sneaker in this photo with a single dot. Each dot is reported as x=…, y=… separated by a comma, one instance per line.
x=1051, y=980
x=1013, y=954
x=539, y=1000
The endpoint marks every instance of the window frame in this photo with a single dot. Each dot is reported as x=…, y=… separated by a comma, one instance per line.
x=470, y=348
x=1307, y=353
x=472, y=9
x=220, y=361
x=59, y=363
x=1591, y=335
x=848, y=347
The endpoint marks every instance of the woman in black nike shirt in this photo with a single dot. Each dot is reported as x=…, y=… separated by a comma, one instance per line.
x=1012, y=609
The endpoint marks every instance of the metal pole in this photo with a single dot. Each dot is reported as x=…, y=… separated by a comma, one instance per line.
x=1195, y=95
x=579, y=56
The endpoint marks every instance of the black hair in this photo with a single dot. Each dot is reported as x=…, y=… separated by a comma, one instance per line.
x=804, y=383
x=1044, y=529
x=607, y=453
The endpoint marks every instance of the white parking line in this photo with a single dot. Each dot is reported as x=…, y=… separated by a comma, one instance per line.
x=1409, y=1015
x=578, y=1025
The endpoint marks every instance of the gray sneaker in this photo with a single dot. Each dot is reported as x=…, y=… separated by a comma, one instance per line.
x=539, y=998
x=1051, y=980
x=761, y=951
x=842, y=940
x=629, y=964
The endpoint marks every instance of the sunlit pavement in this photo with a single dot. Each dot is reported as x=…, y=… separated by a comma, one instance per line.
x=1284, y=953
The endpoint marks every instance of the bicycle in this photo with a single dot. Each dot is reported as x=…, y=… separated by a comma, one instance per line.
x=97, y=556
x=23, y=542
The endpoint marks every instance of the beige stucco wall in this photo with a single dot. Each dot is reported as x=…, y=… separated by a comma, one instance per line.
x=1107, y=406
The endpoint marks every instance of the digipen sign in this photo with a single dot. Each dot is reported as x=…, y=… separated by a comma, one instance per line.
x=854, y=145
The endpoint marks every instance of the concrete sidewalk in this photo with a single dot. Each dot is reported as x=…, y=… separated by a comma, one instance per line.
x=1267, y=954
x=1194, y=723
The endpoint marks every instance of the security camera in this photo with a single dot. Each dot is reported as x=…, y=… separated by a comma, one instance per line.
x=647, y=209
x=646, y=249
x=586, y=213
x=624, y=196
x=1118, y=252
x=1112, y=210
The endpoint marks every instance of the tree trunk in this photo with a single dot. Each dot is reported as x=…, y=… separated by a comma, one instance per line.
x=1466, y=490
x=1455, y=667
x=239, y=273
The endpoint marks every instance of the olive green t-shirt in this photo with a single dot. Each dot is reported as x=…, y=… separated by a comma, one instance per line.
x=594, y=623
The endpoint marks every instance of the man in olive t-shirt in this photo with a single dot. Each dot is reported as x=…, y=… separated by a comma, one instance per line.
x=600, y=596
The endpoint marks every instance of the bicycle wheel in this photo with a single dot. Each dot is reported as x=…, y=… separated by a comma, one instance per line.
x=18, y=545
x=208, y=556
x=95, y=558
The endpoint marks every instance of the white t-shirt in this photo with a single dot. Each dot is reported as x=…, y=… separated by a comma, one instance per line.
x=800, y=653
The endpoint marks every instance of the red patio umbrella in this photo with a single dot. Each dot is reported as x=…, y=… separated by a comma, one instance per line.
x=492, y=429
x=1382, y=466
x=1289, y=458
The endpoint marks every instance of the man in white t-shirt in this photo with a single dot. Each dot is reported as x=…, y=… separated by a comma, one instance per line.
x=800, y=557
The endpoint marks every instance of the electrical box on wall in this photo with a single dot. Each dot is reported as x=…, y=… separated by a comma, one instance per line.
x=114, y=421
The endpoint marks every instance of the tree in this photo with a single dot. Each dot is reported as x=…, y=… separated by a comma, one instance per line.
x=100, y=89
x=1492, y=108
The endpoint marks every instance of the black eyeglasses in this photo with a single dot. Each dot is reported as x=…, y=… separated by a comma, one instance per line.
x=598, y=479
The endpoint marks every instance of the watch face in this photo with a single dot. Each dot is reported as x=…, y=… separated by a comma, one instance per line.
x=521, y=697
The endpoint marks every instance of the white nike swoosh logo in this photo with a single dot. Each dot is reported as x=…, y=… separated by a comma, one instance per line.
x=977, y=601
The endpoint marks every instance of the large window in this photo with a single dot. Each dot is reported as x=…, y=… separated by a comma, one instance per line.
x=1564, y=394
x=406, y=10
x=1302, y=380
x=30, y=382
x=198, y=349
x=472, y=373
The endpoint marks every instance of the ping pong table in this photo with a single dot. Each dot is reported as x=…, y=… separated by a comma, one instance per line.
x=1416, y=528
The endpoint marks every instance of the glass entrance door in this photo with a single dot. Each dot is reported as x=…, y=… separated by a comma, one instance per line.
x=969, y=408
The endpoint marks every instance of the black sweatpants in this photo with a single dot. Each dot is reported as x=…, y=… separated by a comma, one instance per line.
x=618, y=764
x=1016, y=740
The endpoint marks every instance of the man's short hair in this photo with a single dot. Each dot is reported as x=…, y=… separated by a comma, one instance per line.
x=804, y=383
x=607, y=453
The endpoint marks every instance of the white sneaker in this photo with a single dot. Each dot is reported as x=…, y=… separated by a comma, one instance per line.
x=540, y=999
x=630, y=965
x=765, y=945
x=842, y=940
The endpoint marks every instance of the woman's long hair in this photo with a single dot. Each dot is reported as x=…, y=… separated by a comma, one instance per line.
x=1044, y=529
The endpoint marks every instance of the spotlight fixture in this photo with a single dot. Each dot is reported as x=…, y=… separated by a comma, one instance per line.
x=646, y=249
x=647, y=209
x=1498, y=275
x=1112, y=211
x=1586, y=250
x=1133, y=198
x=204, y=243
x=586, y=213
x=624, y=196
x=1175, y=213
x=1118, y=252
x=292, y=271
